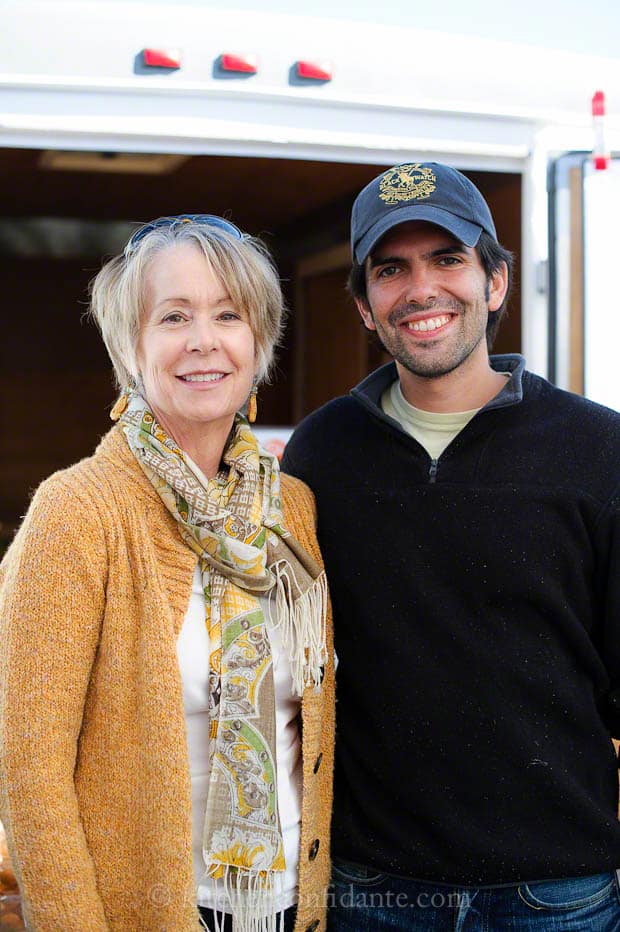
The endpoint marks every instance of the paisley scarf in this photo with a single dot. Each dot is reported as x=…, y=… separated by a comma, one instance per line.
x=233, y=522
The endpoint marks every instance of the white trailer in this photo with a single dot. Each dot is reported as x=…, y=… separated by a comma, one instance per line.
x=97, y=89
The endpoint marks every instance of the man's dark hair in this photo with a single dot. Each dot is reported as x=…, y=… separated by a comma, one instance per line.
x=491, y=256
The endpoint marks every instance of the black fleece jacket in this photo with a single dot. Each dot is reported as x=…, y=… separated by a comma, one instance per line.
x=476, y=605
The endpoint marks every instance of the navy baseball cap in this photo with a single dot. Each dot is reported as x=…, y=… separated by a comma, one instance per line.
x=427, y=191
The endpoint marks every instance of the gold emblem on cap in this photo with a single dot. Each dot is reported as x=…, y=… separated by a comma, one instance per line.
x=411, y=182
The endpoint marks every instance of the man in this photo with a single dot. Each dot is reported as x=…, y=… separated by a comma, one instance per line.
x=468, y=513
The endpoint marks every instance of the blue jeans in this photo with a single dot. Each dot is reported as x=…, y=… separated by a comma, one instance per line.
x=364, y=900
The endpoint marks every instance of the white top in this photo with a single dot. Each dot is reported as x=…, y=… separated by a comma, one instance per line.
x=193, y=656
x=433, y=431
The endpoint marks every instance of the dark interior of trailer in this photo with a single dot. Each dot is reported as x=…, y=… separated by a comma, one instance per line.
x=61, y=213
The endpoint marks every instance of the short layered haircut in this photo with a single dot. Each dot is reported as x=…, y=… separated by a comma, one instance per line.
x=244, y=266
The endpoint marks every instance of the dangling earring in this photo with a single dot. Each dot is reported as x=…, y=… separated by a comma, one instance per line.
x=120, y=405
x=252, y=403
x=122, y=402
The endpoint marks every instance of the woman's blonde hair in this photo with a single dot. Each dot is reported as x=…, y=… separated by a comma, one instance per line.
x=242, y=263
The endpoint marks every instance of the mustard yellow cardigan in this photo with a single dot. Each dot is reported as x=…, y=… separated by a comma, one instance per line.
x=94, y=771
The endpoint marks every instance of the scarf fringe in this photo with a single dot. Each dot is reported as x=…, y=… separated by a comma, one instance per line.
x=302, y=620
x=249, y=896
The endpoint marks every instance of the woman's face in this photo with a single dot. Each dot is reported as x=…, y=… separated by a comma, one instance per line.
x=196, y=351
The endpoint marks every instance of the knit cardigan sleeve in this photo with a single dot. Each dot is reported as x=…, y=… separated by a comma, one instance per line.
x=52, y=591
x=299, y=514
x=299, y=511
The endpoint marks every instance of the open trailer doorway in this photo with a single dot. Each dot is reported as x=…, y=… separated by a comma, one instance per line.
x=62, y=212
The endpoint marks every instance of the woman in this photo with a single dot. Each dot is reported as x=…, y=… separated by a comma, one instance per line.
x=164, y=627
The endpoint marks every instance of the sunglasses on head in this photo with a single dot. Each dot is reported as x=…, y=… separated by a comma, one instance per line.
x=207, y=220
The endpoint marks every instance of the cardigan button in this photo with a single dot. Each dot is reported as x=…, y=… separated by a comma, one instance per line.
x=313, y=926
x=318, y=762
x=314, y=849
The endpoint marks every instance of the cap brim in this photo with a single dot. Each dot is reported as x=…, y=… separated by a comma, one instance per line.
x=465, y=231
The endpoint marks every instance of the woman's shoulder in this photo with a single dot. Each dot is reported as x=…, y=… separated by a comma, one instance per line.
x=63, y=518
x=89, y=482
x=297, y=500
x=299, y=513
x=85, y=494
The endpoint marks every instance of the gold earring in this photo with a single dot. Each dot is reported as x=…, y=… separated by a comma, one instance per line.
x=121, y=403
x=252, y=403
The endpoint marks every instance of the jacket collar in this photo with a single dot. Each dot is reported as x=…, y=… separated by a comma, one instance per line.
x=370, y=389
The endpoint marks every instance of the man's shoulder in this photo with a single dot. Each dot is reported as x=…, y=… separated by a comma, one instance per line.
x=319, y=434
x=320, y=425
x=591, y=417
x=575, y=440
x=330, y=414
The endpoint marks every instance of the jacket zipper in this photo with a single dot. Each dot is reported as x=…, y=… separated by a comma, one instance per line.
x=432, y=473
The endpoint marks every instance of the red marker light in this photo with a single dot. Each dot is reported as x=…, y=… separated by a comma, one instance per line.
x=161, y=58
x=238, y=64
x=600, y=154
x=314, y=71
x=598, y=103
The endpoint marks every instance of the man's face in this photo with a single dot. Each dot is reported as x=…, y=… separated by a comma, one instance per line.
x=429, y=299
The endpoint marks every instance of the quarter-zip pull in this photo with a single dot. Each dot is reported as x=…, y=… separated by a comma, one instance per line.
x=432, y=473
